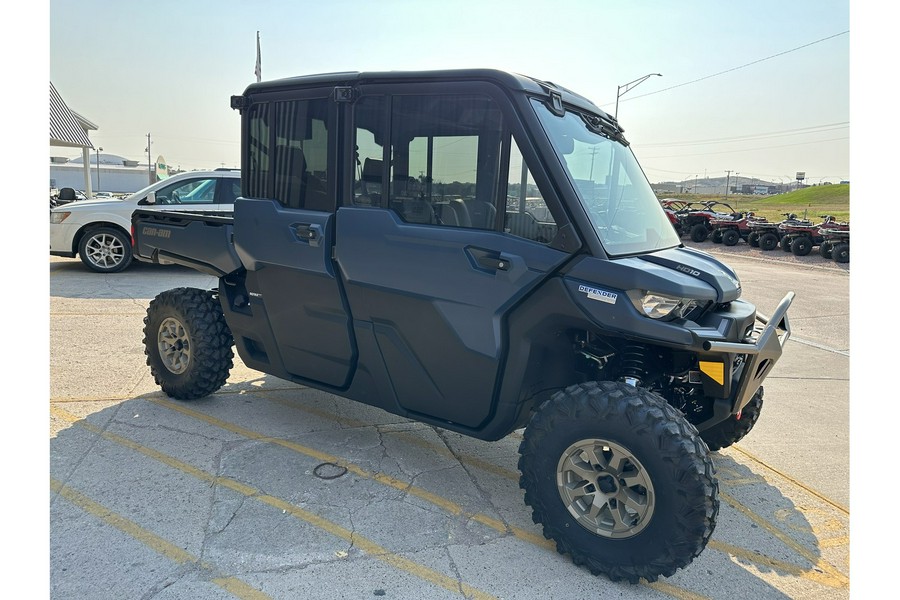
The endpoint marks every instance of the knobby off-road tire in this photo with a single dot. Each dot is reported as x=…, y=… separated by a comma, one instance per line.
x=753, y=240
x=187, y=343
x=785, y=244
x=768, y=241
x=841, y=253
x=801, y=246
x=732, y=429
x=716, y=236
x=825, y=249
x=619, y=480
x=699, y=232
x=731, y=237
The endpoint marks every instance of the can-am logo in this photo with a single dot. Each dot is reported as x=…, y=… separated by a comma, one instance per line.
x=688, y=270
x=601, y=295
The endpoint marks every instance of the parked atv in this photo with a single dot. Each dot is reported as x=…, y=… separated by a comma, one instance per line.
x=697, y=221
x=732, y=230
x=835, y=243
x=768, y=235
x=677, y=211
x=801, y=237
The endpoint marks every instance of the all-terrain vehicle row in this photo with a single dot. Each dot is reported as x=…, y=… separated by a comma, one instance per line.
x=435, y=244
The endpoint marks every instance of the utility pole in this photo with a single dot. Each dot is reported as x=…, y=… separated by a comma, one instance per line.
x=149, y=166
x=727, y=181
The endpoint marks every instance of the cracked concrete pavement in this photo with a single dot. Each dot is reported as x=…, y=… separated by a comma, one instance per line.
x=235, y=495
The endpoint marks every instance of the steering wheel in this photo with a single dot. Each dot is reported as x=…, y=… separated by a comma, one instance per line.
x=176, y=198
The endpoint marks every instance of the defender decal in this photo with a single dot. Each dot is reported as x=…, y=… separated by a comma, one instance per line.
x=601, y=295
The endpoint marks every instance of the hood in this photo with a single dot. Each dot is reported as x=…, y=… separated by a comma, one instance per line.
x=702, y=266
x=69, y=206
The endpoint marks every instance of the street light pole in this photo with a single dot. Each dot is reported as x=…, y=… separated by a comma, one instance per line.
x=624, y=89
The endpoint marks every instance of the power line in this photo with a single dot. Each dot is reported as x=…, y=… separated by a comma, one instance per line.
x=756, y=136
x=735, y=68
x=746, y=150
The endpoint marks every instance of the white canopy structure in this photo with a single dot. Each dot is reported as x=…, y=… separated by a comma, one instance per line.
x=69, y=129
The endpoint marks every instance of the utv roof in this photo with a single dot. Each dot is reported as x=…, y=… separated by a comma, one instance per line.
x=511, y=81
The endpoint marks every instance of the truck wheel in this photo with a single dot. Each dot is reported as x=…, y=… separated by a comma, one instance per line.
x=105, y=250
x=699, y=232
x=732, y=429
x=785, y=244
x=768, y=241
x=753, y=240
x=841, y=253
x=801, y=246
x=187, y=343
x=619, y=480
x=825, y=249
x=731, y=237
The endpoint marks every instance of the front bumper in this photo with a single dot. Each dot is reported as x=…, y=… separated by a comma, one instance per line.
x=62, y=236
x=760, y=350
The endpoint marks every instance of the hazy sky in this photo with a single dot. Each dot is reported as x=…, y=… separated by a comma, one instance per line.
x=169, y=68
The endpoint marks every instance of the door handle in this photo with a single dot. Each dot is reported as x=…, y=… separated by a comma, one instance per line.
x=494, y=262
x=309, y=232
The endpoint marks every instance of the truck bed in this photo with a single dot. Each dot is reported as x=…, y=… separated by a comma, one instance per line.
x=200, y=241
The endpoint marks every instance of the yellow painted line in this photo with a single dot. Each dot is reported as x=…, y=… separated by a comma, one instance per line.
x=379, y=552
x=818, y=495
x=148, y=538
x=539, y=540
x=835, y=542
x=830, y=575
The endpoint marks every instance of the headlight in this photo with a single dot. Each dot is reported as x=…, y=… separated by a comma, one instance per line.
x=59, y=217
x=660, y=306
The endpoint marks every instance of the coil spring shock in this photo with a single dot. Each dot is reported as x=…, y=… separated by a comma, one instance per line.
x=633, y=359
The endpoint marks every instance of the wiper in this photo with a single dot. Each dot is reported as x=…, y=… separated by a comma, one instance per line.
x=605, y=127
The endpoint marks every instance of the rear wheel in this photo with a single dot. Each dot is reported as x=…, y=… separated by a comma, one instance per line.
x=825, y=249
x=753, y=239
x=785, y=244
x=801, y=246
x=841, y=253
x=187, y=343
x=620, y=480
x=699, y=232
x=717, y=236
x=105, y=250
x=731, y=237
x=734, y=427
x=768, y=241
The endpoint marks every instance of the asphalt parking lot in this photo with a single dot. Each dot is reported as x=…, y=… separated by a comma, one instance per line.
x=271, y=490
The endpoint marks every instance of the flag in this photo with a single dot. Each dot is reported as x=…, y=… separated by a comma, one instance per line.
x=258, y=69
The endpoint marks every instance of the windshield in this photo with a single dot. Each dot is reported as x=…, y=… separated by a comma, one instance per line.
x=610, y=184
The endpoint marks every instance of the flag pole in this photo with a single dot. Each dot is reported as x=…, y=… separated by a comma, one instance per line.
x=258, y=70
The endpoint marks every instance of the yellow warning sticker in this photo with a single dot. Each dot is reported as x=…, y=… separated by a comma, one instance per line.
x=714, y=370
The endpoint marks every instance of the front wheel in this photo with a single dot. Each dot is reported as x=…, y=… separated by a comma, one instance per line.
x=105, y=250
x=801, y=246
x=734, y=428
x=825, y=249
x=619, y=480
x=187, y=343
x=699, y=232
x=785, y=244
x=768, y=242
x=841, y=253
x=731, y=237
x=753, y=239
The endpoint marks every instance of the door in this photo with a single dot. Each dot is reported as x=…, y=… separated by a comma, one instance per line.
x=283, y=232
x=427, y=249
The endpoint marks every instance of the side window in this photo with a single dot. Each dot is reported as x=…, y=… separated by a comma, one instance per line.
x=258, y=164
x=368, y=174
x=526, y=214
x=192, y=191
x=445, y=160
x=287, y=153
x=301, y=151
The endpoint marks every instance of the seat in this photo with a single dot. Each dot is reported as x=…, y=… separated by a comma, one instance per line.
x=482, y=214
x=67, y=194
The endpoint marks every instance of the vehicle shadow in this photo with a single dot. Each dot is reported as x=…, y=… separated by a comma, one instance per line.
x=768, y=532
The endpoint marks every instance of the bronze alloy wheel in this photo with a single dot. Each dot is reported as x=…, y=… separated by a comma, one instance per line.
x=174, y=345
